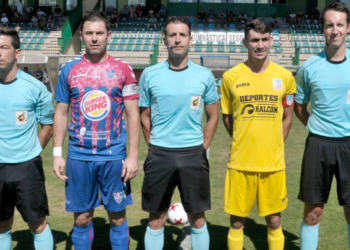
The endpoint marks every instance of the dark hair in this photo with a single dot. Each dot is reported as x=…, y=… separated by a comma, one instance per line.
x=338, y=6
x=96, y=16
x=177, y=19
x=5, y=31
x=258, y=25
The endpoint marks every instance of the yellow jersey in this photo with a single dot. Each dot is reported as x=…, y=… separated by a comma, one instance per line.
x=255, y=102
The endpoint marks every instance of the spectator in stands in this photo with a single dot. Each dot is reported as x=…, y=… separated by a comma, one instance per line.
x=155, y=8
x=132, y=11
x=42, y=21
x=202, y=16
x=211, y=17
x=8, y=11
x=20, y=7
x=40, y=13
x=150, y=13
x=274, y=23
x=25, y=69
x=162, y=11
x=152, y=21
x=242, y=17
x=4, y=20
x=292, y=17
x=34, y=22
x=39, y=74
x=29, y=13
x=57, y=12
x=114, y=19
x=124, y=13
x=16, y=17
x=29, y=9
x=222, y=19
x=231, y=17
x=50, y=22
x=139, y=10
x=315, y=15
x=300, y=17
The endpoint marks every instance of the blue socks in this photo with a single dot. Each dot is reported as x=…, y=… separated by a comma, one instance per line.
x=5, y=241
x=44, y=240
x=119, y=236
x=83, y=237
x=308, y=236
x=200, y=238
x=349, y=235
x=154, y=239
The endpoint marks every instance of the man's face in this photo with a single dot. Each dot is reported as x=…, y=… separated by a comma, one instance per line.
x=95, y=37
x=8, y=54
x=258, y=44
x=335, y=28
x=39, y=68
x=177, y=39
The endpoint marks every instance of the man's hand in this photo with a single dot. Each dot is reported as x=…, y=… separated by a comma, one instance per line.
x=130, y=168
x=58, y=167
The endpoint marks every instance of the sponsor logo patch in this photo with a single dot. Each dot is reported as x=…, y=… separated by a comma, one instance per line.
x=277, y=84
x=195, y=102
x=21, y=117
x=95, y=105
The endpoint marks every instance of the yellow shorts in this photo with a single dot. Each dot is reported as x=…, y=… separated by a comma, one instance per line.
x=243, y=188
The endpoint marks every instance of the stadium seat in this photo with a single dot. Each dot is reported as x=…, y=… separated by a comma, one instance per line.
x=191, y=20
x=141, y=36
x=147, y=42
x=37, y=35
x=306, y=44
x=116, y=36
x=21, y=35
x=347, y=45
x=276, y=44
x=276, y=38
x=157, y=36
x=29, y=35
x=312, y=39
x=320, y=39
x=37, y=47
x=125, y=36
x=243, y=49
x=221, y=43
x=232, y=43
x=233, y=30
x=278, y=50
x=221, y=49
x=209, y=49
x=24, y=41
x=304, y=38
x=21, y=46
x=232, y=26
x=198, y=49
x=210, y=43
x=131, y=42
x=32, y=41
x=111, y=47
x=122, y=42
x=296, y=38
x=275, y=32
x=132, y=36
x=315, y=51
x=347, y=39
x=145, y=48
x=129, y=48
x=307, y=51
x=232, y=49
x=155, y=42
x=139, y=42
x=298, y=44
x=120, y=47
x=149, y=36
x=29, y=47
x=322, y=44
x=211, y=25
x=40, y=41
x=114, y=42
x=137, y=48
x=200, y=25
x=314, y=45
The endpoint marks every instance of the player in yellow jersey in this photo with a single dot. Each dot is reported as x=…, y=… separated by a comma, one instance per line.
x=257, y=107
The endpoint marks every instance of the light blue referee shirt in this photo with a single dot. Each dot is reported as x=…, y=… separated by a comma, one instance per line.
x=176, y=98
x=23, y=102
x=327, y=85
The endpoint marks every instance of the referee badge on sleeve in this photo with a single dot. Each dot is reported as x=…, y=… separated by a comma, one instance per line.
x=21, y=117
x=195, y=102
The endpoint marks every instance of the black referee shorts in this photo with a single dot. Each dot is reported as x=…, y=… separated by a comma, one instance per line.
x=166, y=168
x=23, y=186
x=324, y=158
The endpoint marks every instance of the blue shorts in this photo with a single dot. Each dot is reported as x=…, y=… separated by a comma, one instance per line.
x=87, y=179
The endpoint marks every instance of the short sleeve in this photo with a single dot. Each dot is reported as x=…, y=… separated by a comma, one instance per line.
x=226, y=96
x=44, y=107
x=302, y=95
x=210, y=95
x=62, y=90
x=144, y=96
x=291, y=86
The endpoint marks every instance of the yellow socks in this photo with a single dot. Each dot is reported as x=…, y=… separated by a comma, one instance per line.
x=235, y=239
x=275, y=238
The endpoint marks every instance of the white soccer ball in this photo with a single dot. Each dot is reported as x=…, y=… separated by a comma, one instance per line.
x=177, y=214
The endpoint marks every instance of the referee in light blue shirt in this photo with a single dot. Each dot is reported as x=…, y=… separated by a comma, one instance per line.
x=24, y=102
x=173, y=95
x=324, y=81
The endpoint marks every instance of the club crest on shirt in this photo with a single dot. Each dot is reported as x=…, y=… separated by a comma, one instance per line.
x=348, y=96
x=21, y=117
x=195, y=102
x=95, y=105
x=118, y=197
x=277, y=84
x=110, y=74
